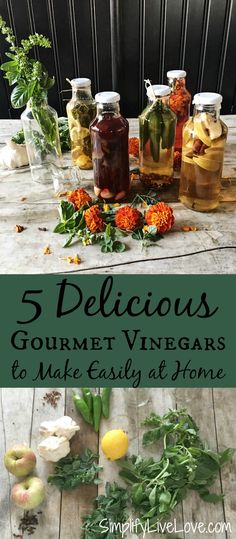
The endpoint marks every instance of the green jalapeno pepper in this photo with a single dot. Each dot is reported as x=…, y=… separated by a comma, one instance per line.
x=82, y=408
x=106, y=392
x=88, y=397
x=97, y=412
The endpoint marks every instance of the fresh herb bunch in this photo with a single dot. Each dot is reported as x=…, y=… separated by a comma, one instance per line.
x=73, y=471
x=111, y=507
x=29, y=75
x=32, y=82
x=157, y=486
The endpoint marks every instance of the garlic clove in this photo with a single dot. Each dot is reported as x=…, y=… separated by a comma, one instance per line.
x=64, y=426
x=54, y=448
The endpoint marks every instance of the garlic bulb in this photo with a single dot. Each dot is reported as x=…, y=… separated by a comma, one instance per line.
x=54, y=448
x=64, y=426
x=13, y=155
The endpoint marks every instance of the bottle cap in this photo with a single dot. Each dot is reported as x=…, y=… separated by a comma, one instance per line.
x=107, y=97
x=207, y=98
x=160, y=90
x=80, y=83
x=176, y=74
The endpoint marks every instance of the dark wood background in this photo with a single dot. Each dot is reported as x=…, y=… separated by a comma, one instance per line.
x=118, y=43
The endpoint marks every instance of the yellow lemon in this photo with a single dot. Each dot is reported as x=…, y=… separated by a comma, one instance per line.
x=207, y=164
x=115, y=444
x=201, y=132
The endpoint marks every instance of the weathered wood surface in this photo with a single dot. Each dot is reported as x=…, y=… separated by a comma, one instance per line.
x=211, y=249
x=22, y=411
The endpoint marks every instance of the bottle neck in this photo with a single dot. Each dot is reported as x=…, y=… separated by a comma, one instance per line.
x=40, y=100
x=162, y=100
x=81, y=93
x=108, y=108
x=213, y=110
x=177, y=84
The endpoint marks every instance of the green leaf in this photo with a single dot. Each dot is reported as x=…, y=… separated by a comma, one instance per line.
x=20, y=95
x=211, y=497
x=9, y=66
x=165, y=497
x=153, y=496
x=226, y=455
x=60, y=228
x=151, y=436
x=118, y=247
x=66, y=210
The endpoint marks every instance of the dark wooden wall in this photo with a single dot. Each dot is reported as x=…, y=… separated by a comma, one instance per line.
x=118, y=43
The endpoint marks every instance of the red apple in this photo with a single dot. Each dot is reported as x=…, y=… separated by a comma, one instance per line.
x=29, y=493
x=20, y=460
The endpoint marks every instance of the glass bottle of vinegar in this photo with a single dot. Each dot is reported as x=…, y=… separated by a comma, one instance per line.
x=81, y=110
x=180, y=100
x=204, y=138
x=157, y=136
x=109, y=135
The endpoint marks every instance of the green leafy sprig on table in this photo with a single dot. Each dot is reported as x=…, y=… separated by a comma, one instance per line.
x=157, y=486
x=111, y=508
x=73, y=471
x=72, y=222
x=30, y=77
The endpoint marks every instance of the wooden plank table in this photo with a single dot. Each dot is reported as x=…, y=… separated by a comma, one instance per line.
x=211, y=249
x=22, y=411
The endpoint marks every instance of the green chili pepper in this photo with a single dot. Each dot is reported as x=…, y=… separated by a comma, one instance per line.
x=97, y=411
x=168, y=130
x=82, y=408
x=143, y=132
x=88, y=397
x=155, y=129
x=106, y=392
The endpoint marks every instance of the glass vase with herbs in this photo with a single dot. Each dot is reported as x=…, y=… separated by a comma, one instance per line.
x=81, y=111
x=39, y=120
x=157, y=137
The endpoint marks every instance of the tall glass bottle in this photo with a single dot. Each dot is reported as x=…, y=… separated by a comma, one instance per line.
x=40, y=125
x=157, y=136
x=109, y=134
x=81, y=110
x=180, y=100
x=204, y=138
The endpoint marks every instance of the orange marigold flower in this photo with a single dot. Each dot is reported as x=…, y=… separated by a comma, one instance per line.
x=128, y=218
x=79, y=197
x=134, y=146
x=161, y=216
x=94, y=219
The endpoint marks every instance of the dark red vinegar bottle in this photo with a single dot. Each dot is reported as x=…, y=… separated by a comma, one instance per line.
x=110, y=136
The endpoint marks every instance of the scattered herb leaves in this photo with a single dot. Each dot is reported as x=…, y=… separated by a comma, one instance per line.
x=72, y=471
x=111, y=507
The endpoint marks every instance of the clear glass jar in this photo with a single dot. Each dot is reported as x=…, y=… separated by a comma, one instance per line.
x=180, y=100
x=40, y=125
x=81, y=110
x=157, y=136
x=204, y=138
x=110, y=137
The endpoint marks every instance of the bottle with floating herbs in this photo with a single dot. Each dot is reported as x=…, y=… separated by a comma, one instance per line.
x=180, y=100
x=157, y=136
x=81, y=110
